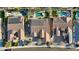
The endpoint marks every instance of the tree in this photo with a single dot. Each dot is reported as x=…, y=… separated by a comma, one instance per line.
x=8, y=44
x=54, y=13
x=46, y=14
x=74, y=13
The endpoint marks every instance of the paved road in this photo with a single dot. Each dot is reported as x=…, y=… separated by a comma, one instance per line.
x=44, y=49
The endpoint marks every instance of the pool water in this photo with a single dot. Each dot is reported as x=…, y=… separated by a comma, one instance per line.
x=77, y=15
x=38, y=14
x=63, y=13
x=24, y=12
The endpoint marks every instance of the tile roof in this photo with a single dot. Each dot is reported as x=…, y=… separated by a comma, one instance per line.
x=39, y=22
x=59, y=20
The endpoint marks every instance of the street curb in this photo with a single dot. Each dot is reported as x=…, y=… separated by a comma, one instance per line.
x=33, y=46
x=3, y=48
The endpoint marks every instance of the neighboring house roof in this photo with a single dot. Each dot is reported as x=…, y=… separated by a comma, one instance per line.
x=15, y=23
x=35, y=22
x=64, y=19
x=59, y=20
x=39, y=24
x=70, y=24
x=14, y=20
x=62, y=22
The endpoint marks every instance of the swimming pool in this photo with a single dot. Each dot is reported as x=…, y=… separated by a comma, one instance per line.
x=24, y=12
x=63, y=13
x=39, y=14
x=77, y=15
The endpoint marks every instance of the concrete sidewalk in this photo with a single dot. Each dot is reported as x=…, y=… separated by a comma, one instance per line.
x=39, y=46
x=31, y=46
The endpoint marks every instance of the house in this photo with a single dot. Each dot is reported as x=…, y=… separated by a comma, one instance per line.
x=62, y=29
x=40, y=28
x=15, y=27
